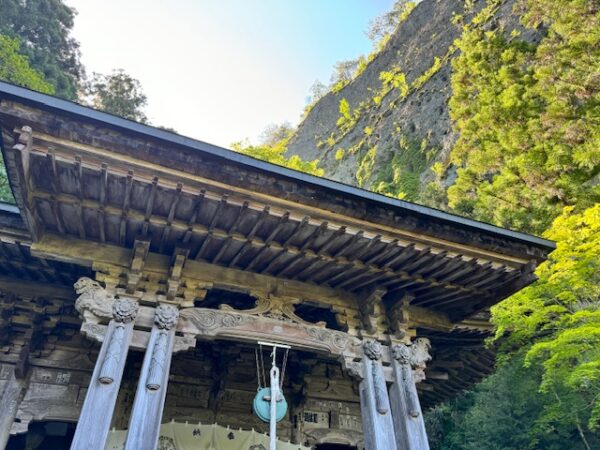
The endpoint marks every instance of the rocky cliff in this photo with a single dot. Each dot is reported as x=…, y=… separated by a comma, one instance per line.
x=386, y=128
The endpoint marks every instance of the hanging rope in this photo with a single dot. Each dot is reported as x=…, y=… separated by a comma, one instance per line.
x=283, y=365
x=258, y=372
x=262, y=365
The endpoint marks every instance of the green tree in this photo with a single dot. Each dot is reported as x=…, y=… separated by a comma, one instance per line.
x=274, y=152
x=317, y=91
x=117, y=93
x=528, y=157
x=343, y=71
x=504, y=412
x=44, y=27
x=15, y=68
x=560, y=314
x=528, y=118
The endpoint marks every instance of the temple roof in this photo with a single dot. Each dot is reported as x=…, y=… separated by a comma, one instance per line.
x=91, y=177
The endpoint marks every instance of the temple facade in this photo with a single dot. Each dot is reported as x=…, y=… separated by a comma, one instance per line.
x=140, y=269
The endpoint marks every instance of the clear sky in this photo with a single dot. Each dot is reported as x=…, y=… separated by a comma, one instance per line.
x=222, y=70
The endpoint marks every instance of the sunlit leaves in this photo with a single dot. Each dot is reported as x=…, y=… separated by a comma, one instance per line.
x=275, y=153
x=559, y=316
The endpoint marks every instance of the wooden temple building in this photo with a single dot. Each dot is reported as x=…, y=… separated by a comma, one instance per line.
x=139, y=269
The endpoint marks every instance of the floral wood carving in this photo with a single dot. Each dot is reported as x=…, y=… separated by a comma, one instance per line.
x=210, y=322
x=419, y=357
x=336, y=339
x=124, y=310
x=401, y=353
x=165, y=316
x=372, y=350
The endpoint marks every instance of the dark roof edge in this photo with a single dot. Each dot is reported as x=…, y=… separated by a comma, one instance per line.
x=9, y=208
x=10, y=216
x=28, y=96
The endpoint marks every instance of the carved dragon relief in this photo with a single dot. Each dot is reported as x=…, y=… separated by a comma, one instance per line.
x=94, y=304
x=275, y=307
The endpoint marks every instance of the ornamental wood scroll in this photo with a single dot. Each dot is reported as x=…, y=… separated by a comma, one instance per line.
x=272, y=319
x=235, y=325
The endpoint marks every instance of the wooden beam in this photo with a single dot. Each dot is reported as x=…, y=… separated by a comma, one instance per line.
x=167, y=229
x=86, y=253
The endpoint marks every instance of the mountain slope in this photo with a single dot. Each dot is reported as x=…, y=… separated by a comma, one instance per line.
x=385, y=129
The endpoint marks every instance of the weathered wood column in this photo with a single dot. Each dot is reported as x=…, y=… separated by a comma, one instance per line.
x=406, y=409
x=146, y=416
x=378, y=427
x=98, y=407
x=9, y=404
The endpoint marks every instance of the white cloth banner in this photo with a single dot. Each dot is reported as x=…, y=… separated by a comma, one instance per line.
x=185, y=436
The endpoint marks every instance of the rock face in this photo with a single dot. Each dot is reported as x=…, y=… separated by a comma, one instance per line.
x=398, y=131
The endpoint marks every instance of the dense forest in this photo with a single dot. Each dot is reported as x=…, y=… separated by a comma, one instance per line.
x=525, y=114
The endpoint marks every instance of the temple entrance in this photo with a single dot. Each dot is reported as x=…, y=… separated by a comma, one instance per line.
x=44, y=435
x=216, y=382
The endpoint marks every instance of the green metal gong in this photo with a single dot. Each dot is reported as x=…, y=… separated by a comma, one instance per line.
x=262, y=404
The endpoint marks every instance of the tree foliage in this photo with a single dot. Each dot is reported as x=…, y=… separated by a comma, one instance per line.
x=118, y=93
x=317, y=91
x=504, y=412
x=15, y=68
x=276, y=133
x=560, y=314
x=343, y=71
x=528, y=118
x=44, y=27
x=273, y=151
x=528, y=157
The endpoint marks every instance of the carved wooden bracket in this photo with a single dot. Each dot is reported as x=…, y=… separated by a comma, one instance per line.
x=180, y=256
x=399, y=316
x=367, y=307
x=97, y=307
x=138, y=260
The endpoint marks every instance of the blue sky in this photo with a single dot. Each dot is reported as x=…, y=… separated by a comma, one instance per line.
x=221, y=71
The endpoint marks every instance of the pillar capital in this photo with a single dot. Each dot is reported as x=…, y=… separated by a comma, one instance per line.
x=166, y=316
x=124, y=310
x=373, y=350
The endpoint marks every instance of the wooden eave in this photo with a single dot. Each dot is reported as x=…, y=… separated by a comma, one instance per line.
x=101, y=182
x=88, y=175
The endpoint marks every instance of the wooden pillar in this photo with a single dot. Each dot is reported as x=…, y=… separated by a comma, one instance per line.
x=378, y=427
x=146, y=416
x=98, y=407
x=406, y=409
x=9, y=405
